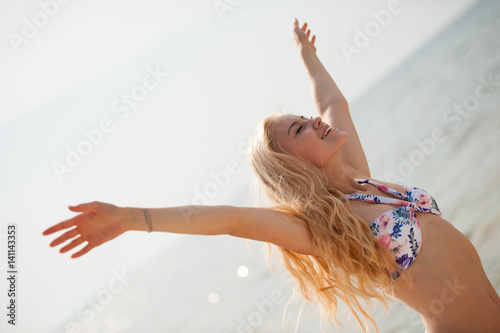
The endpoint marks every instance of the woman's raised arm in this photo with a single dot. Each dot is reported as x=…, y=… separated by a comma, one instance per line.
x=329, y=101
x=99, y=223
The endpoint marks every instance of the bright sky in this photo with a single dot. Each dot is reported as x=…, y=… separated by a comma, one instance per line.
x=201, y=75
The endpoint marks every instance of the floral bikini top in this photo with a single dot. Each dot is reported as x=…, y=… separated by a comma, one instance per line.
x=398, y=230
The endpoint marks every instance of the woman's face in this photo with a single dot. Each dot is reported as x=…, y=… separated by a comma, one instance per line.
x=309, y=139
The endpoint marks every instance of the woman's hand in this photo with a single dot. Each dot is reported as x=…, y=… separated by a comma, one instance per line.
x=98, y=223
x=301, y=35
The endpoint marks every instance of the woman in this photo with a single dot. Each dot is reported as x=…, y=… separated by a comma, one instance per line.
x=343, y=235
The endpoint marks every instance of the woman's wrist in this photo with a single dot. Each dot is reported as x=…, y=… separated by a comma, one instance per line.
x=134, y=219
x=307, y=52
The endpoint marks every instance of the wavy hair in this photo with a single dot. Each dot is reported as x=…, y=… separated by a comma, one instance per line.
x=350, y=265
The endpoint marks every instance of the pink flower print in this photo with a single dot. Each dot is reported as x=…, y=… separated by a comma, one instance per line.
x=385, y=240
x=398, y=246
x=386, y=222
x=383, y=188
x=424, y=199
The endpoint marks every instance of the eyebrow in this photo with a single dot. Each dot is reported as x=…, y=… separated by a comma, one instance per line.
x=289, y=128
x=294, y=123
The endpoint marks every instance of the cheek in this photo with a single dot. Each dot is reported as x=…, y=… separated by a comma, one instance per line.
x=306, y=148
x=300, y=152
x=312, y=154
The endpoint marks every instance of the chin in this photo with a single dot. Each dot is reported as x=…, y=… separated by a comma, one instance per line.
x=343, y=136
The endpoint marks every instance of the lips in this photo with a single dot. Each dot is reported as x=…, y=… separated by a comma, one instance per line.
x=327, y=129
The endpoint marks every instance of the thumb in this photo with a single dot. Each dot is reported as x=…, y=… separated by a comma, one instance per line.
x=85, y=207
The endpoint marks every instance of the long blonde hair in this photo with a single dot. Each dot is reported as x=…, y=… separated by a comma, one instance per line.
x=350, y=264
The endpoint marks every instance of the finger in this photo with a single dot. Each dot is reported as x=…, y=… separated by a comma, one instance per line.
x=60, y=226
x=72, y=245
x=64, y=237
x=304, y=26
x=85, y=207
x=313, y=39
x=295, y=23
x=308, y=33
x=80, y=253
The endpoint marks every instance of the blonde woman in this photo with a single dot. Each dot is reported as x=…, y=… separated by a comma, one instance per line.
x=343, y=235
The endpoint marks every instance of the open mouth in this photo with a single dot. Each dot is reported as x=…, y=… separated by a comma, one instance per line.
x=326, y=131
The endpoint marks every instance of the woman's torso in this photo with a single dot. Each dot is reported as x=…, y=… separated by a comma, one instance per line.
x=449, y=287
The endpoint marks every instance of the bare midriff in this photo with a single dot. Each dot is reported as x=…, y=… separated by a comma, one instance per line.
x=449, y=286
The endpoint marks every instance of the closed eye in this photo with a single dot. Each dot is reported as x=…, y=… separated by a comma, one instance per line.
x=300, y=127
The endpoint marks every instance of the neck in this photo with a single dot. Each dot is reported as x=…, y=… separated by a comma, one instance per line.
x=340, y=179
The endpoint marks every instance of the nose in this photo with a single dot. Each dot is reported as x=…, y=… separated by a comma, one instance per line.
x=317, y=122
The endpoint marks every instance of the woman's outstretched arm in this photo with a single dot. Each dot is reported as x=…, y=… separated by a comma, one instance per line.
x=99, y=223
x=329, y=101
x=325, y=92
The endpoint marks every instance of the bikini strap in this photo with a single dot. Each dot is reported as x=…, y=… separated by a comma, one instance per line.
x=386, y=189
x=405, y=199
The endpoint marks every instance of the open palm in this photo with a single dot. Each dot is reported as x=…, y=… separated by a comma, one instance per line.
x=301, y=35
x=97, y=224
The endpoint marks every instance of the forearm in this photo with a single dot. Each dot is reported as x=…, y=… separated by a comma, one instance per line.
x=193, y=219
x=324, y=90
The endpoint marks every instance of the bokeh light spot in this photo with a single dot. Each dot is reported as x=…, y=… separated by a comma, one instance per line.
x=242, y=271
x=213, y=297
